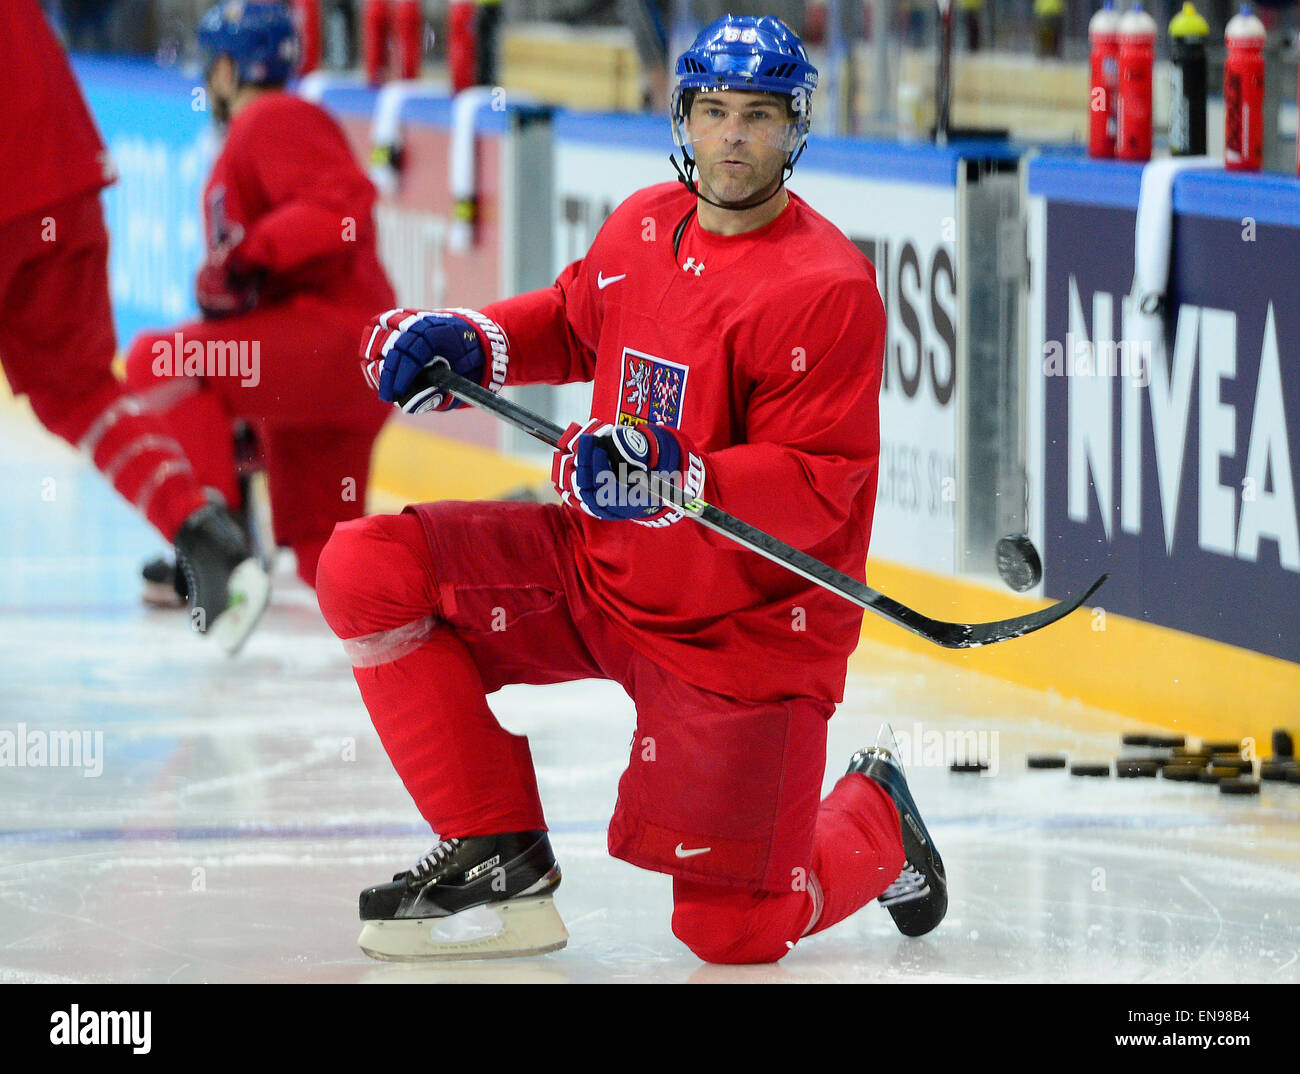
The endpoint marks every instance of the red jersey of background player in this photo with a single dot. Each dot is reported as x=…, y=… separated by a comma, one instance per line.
x=772, y=339
x=277, y=148
x=43, y=122
x=292, y=266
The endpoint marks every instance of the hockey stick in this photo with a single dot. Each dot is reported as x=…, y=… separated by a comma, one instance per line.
x=949, y=635
x=943, y=77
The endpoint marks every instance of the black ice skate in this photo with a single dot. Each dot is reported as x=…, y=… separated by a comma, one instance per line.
x=481, y=897
x=918, y=899
x=227, y=587
x=164, y=585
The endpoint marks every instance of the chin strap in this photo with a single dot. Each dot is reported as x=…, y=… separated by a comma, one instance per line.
x=687, y=180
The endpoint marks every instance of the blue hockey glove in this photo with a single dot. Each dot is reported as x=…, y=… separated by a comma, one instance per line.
x=602, y=469
x=400, y=344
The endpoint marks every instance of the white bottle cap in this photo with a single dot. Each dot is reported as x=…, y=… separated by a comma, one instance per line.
x=1245, y=26
x=1137, y=23
x=1105, y=21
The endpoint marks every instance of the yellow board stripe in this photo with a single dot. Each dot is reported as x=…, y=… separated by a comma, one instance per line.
x=412, y=465
x=1162, y=677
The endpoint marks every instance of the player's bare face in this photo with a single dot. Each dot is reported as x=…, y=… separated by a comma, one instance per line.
x=738, y=142
x=221, y=86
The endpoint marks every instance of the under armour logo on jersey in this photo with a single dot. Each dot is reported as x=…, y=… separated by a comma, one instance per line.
x=690, y=264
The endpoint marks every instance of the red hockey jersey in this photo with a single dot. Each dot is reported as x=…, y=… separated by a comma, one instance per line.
x=50, y=149
x=766, y=350
x=287, y=177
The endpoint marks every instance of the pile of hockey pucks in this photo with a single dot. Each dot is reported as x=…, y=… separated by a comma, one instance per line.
x=1218, y=763
x=1282, y=766
x=1222, y=763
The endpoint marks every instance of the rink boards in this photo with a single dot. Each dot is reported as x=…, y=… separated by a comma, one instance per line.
x=1195, y=633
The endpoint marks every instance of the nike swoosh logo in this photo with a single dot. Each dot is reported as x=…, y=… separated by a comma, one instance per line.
x=602, y=282
x=682, y=852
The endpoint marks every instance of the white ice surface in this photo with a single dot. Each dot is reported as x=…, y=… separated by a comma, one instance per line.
x=243, y=805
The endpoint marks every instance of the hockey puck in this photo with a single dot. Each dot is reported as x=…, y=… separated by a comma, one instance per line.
x=1293, y=775
x=1018, y=562
x=1186, y=753
x=1089, y=769
x=1136, y=740
x=1276, y=770
x=1127, y=768
x=1183, y=773
x=1239, y=786
x=1222, y=747
x=1165, y=742
x=1194, y=760
x=968, y=766
x=1230, y=764
x=1283, y=747
x=1046, y=760
x=1210, y=775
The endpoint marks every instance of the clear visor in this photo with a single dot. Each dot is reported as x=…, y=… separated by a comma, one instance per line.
x=765, y=120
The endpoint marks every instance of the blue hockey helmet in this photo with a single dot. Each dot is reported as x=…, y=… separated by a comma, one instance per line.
x=258, y=35
x=746, y=52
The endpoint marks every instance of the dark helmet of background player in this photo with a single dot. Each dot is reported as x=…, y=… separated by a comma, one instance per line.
x=745, y=52
x=259, y=36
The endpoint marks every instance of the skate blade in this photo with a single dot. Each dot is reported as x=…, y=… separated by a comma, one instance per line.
x=252, y=585
x=885, y=740
x=161, y=595
x=504, y=930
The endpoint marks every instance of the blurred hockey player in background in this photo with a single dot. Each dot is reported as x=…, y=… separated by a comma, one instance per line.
x=736, y=339
x=56, y=328
x=292, y=275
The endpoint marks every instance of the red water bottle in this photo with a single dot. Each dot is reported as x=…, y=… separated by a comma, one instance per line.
x=1243, y=93
x=374, y=30
x=1103, y=35
x=462, y=49
x=1137, y=54
x=410, y=37
x=308, y=13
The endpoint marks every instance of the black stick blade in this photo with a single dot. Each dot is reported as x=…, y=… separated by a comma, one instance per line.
x=978, y=634
x=948, y=635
